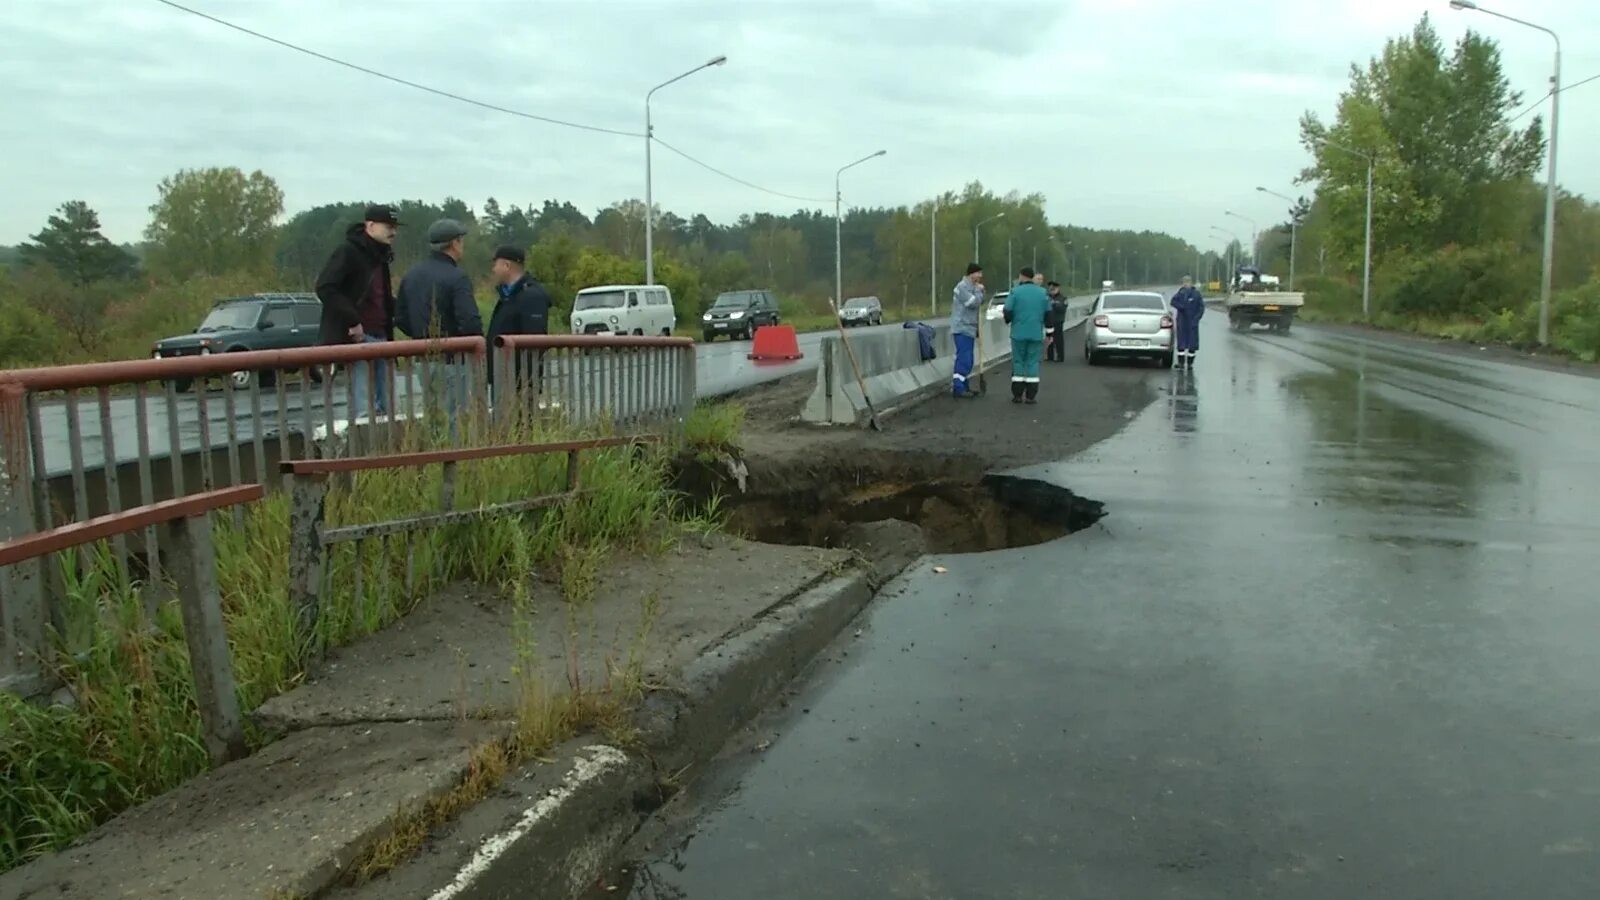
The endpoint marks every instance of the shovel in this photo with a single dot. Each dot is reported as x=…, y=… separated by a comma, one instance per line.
x=872, y=412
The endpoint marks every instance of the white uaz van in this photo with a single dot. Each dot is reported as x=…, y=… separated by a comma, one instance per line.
x=624, y=309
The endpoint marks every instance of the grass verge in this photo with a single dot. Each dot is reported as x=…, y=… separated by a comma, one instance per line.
x=132, y=729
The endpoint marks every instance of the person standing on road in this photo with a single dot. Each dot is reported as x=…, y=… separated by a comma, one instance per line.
x=1187, y=308
x=1027, y=307
x=965, y=306
x=358, y=301
x=1058, y=323
x=523, y=308
x=436, y=302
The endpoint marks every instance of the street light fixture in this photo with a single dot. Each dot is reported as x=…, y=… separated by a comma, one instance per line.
x=1010, y=268
x=838, y=226
x=1255, y=236
x=1366, y=264
x=975, y=229
x=1550, y=174
x=1294, y=226
x=1232, y=263
x=649, y=200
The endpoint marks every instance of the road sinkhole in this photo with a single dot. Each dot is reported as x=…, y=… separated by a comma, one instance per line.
x=957, y=507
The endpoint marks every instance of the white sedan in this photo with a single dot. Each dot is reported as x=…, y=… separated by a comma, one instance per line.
x=1129, y=323
x=997, y=306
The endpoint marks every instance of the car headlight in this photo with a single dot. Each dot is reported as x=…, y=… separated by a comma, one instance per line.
x=706, y=317
x=736, y=315
x=613, y=320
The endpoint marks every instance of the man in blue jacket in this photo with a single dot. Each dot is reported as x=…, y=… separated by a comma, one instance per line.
x=436, y=302
x=1187, y=308
x=1027, y=308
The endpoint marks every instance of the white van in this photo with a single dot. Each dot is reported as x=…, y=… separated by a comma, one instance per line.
x=624, y=309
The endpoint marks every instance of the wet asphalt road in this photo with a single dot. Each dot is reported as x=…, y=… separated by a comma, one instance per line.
x=1335, y=639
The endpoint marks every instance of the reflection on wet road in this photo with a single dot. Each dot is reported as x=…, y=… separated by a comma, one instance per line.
x=1335, y=639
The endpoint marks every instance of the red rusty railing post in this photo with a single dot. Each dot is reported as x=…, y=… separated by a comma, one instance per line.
x=22, y=609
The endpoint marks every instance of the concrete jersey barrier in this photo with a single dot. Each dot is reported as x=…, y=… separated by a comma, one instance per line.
x=894, y=371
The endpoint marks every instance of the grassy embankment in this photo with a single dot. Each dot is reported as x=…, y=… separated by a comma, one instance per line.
x=132, y=730
x=1574, y=318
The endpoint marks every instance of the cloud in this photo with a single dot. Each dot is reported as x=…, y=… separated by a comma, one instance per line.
x=1136, y=114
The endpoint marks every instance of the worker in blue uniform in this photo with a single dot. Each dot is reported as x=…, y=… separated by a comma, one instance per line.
x=1187, y=308
x=1027, y=309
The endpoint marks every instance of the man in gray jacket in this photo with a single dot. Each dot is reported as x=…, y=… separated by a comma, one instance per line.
x=966, y=305
x=435, y=301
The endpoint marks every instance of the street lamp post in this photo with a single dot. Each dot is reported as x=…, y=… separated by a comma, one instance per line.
x=1011, y=270
x=976, y=257
x=1366, y=263
x=1232, y=263
x=839, y=229
x=1545, y=274
x=649, y=199
x=1255, y=236
x=933, y=259
x=1294, y=226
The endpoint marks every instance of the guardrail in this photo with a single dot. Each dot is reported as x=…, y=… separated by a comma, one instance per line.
x=146, y=438
x=194, y=566
x=310, y=538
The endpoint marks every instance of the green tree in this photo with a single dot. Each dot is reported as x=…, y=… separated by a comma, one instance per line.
x=214, y=221
x=71, y=243
x=1438, y=126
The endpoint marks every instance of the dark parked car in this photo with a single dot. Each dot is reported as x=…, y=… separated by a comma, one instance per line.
x=739, y=313
x=257, y=322
x=861, y=311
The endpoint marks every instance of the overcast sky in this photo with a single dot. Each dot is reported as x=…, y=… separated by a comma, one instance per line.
x=1136, y=114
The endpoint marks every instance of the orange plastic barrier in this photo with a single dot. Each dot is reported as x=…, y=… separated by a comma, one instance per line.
x=776, y=342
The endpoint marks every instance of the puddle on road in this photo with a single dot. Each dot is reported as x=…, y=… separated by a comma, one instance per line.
x=958, y=507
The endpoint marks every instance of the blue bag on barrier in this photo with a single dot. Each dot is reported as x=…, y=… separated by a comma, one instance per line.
x=924, y=338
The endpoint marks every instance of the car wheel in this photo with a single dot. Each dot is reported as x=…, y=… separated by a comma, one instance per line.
x=638, y=332
x=666, y=332
x=1093, y=357
x=1166, y=360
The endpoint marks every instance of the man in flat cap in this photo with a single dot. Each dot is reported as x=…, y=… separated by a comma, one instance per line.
x=523, y=307
x=436, y=302
x=358, y=301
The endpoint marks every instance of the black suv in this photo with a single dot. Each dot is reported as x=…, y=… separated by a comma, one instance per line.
x=739, y=313
x=257, y=322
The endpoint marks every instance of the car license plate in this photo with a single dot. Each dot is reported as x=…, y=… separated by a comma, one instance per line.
x=719, y=324
x=1270, y=307
x=1132, y=342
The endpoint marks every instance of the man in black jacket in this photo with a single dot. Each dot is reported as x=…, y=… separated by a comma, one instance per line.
x=436, y=302
x=358, y=300
x=1057, y=321
x=523, y=308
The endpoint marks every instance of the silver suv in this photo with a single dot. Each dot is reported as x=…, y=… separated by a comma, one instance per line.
x=861, y=311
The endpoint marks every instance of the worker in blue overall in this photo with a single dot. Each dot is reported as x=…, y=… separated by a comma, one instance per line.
x=1187, y=308
x=1027, y=308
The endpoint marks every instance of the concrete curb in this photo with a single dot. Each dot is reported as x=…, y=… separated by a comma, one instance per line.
x=543, y=837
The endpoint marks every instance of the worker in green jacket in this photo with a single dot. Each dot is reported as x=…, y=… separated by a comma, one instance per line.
x=1027, y=308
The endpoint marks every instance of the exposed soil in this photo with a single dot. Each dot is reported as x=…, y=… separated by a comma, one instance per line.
x=956, y=505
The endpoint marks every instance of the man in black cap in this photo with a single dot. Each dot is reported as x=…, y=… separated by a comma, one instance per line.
x=436, y=302
x=523, y=307
x=358, y=300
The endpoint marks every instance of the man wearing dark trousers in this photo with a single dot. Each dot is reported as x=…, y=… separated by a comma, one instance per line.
x=1058, y=324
